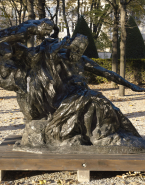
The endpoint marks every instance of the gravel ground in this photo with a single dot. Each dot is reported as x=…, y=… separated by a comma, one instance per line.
x=11, y=122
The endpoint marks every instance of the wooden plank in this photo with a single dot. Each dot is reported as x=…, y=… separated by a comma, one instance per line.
x=83, y=175
x=12, y=160
x=8, y=153
x=71, y=164
x=2, y=173
x=25, y=155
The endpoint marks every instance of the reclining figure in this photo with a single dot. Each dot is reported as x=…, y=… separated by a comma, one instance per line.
x=58, y=106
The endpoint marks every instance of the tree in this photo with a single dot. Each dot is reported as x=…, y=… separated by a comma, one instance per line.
x=82, y=28
x=132, y=6
x=78, y=9
x=52, y=14
x=5, y=14
x=13, y=12
x=41, y=8
x=122, y=8
x=30, y=9
x=134, y=40
x=98, y=15
x=18, y=6
x=115, y=7
x=64, y=17
x=123, y=4
x=136, y=8
x=40, y=4
x=31, y=15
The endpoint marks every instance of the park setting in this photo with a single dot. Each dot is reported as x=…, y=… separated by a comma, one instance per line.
x=72, y=83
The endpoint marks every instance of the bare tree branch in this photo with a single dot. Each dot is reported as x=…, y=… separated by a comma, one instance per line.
x=123, y=2
x=49, y=12
x=57, y=8
x=56, y=12
x=64, y=17
x=128, y=2
x=111, y=3
x=6, y=12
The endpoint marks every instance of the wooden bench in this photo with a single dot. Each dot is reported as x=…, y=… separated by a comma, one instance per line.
x=83, y=164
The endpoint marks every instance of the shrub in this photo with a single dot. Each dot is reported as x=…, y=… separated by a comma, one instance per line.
x=135, y=71
x=94, y=79
x=134, y=41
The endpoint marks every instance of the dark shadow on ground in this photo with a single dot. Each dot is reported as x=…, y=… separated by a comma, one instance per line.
x=94, y=175
x=106, y=89
x=9, y=111
x=12, y=127
x=137, y=114
x=130, y=99
x=111, y=89
x=8, y=97
x=122, y=98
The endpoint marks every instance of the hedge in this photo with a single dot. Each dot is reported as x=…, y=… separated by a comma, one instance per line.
x=135, y=71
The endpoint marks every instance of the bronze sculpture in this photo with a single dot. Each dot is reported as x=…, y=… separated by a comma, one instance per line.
x=59, y=108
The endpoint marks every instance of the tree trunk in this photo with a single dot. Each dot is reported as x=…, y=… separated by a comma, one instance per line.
x=64, y=17
x=31, y=15
x=91, y=21
x=57, y=8
x=122, y=47
x=115, y=45
x=41, y=13
x=41, y=9
x=30, y=9
x=78, y=9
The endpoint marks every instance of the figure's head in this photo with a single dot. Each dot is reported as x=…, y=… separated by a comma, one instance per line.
x=45, y=27
x=78, y=47
x=42, y=27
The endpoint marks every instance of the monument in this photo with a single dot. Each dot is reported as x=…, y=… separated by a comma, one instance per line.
x=61, y=113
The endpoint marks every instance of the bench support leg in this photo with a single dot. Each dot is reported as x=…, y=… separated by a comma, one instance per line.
x=83, y=175
x=2, y=173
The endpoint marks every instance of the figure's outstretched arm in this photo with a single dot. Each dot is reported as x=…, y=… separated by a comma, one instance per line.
x=93, y=67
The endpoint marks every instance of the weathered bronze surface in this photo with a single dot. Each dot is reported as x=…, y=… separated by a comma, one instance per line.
x=60, y=110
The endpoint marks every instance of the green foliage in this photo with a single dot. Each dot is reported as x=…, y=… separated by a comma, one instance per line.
x=94, y=79
x=103, y=41
x=134, y=41
x=82, y=28
x=135, y=71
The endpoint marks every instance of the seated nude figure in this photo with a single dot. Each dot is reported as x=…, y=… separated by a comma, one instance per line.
x=59, y=108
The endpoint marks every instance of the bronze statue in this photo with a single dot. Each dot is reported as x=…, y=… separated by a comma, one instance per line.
x=59, y=108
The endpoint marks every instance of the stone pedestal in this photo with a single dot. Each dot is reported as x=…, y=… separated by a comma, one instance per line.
x=83, y=175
